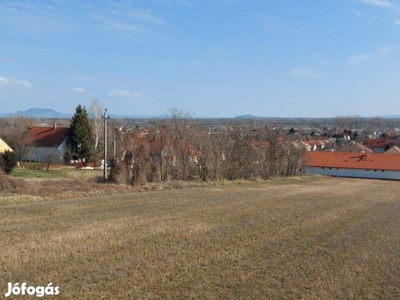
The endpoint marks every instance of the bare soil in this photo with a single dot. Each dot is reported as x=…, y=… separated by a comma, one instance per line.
x=325, y=238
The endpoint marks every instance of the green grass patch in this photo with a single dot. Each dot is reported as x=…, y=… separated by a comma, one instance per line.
x=64, y=172
x=24, y=173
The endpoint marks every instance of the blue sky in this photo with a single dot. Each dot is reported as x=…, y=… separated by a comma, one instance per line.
x=216, y=58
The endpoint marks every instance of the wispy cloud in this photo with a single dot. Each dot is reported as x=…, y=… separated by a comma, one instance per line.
x=396, y=21
x=139, y=95
x=24, y=84
x=118, y=93
x=383, y=51
x=4, y=80
x=32, y=15
x=358, y=58
x=380, y=3
x=112, y=24
x=145, y=15
x=326, y=62
x=359, y=13
x=78, y=90
x=137, y=21
x=301, y=72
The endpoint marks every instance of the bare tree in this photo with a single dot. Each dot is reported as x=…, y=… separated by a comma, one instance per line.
x=15, y=134
x=357, y=121
x=53, y=158
x=96, y=121
x=180, y=132
x=377, y=122
x=162, y=142
x=341, y=121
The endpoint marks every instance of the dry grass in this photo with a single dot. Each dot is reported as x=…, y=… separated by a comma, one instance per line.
x=310, y=239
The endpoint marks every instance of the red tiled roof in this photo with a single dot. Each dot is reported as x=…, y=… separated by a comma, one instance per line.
x=379, y=143
x=48, y=136
x=318, y=143
x=355, y=145
x=149, y=143
x=349, y=160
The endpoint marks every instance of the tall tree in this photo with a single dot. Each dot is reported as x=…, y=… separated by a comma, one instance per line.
x=96, y=120
x=80, y=140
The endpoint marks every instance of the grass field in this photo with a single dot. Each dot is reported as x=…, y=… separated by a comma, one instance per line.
x=299, y=239
x=69, y=172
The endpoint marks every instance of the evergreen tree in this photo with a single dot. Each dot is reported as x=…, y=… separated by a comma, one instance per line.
x=80, y=138
x=8, y=161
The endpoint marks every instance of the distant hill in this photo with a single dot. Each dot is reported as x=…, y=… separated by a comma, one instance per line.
x=137, y=116
x=392, y=116
x=252, y=117
x=40, y=113
x=46, y=113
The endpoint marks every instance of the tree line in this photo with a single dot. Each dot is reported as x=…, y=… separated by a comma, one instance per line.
x=178, y=148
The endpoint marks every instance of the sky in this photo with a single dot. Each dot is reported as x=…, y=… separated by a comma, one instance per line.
x=212, y=58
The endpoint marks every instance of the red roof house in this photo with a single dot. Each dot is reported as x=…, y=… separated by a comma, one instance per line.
x=380, y=145
x=46, y=141
x=349, y=164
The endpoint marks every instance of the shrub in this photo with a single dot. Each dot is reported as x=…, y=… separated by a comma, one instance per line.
x=8, y=161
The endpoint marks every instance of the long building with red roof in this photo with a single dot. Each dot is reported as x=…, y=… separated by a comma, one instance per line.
x=350, y=164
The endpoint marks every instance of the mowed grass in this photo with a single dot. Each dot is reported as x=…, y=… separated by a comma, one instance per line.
x=64, y=173
x=310, y=239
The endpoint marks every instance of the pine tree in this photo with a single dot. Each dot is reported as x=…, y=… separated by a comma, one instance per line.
x=8, y=161
x=80, y=139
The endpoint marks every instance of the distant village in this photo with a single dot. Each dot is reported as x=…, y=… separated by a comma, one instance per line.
x=184, y=148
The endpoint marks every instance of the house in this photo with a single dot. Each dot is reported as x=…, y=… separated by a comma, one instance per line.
x=393, y=150
x=380, y=145
x=4, y=147
x=349, y=164
x=47, y=141
x=354, y=147
x=316, y=145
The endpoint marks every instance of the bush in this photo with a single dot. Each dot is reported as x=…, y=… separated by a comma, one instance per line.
x=12, y=185
x=8, y=161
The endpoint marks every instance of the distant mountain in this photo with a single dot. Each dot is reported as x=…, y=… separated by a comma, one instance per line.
x=40, y=113
x=392, y=116
x=46, y=113
x=252, y=117
x=137, y=116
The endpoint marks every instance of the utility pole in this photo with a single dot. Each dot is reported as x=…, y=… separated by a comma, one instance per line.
x=105, y=117
x=115, y=144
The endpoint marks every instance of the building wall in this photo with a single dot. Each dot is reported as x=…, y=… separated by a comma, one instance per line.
x=62, y=149
x=379, y=150
x=376, y=174
x=4, y=147
x=41, y=153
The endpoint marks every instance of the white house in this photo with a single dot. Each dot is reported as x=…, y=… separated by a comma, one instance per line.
x=47, y=141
